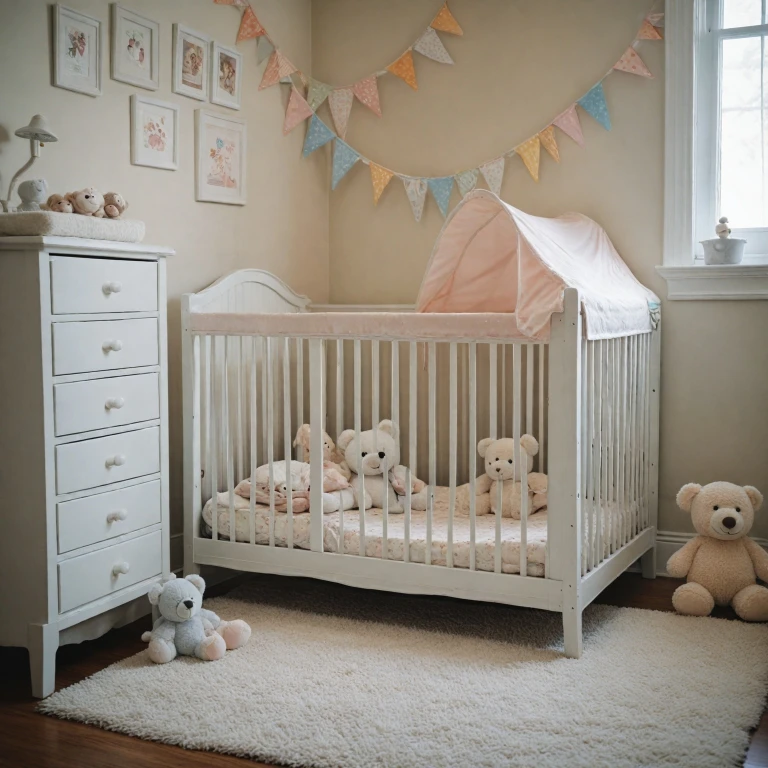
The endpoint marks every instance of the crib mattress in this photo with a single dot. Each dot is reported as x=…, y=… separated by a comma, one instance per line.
x=485, y=533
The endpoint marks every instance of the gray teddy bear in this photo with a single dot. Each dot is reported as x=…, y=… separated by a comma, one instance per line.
x=186, y=627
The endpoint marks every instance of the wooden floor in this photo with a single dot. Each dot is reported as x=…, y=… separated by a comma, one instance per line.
x=29, y=739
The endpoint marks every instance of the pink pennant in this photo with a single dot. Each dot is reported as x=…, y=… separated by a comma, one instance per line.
x=632, y=63
x=649, y=32
x=298, y=110
x=340, y=103
x=367, y=91
x=277, y=67
x=568, y=122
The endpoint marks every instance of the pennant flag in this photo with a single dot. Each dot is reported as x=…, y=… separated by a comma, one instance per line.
x=466, y=181
x=547, y=138
x=264, y=48
x=403, y=68
x=444, y=22
x=656, y=19
x=318, y=93
x=241, y=3
x=493, y=173
x=250, y=26
x=431, y=46
x=632, y=63
x=367, y=92
x=344, y=157
x=340, y=102
x=530, y=154
x=416, y=189
x=441, y=190
x=570, y=124
x=318, y=135
x=380, y=177
x=278, y=67
x=594, y=104
x=298, y=110
x=649, y=32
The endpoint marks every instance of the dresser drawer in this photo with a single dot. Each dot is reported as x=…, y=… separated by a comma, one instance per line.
x=90, y=463
x=106, y=515
x=104, y=345
x=82, y=286
x=89, y=577
x=100, y=403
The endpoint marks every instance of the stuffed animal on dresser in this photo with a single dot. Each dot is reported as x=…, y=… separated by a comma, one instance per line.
x=721, y=564
x=186, y=628
x=500, y=467
x=58, y=204
x=87, y=202
x=114, y=205
x=32, y=192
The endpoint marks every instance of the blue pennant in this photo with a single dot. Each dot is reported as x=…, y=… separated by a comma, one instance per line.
x=441, y=191
x=594, y=103
x=344, y=157
x=318, y=134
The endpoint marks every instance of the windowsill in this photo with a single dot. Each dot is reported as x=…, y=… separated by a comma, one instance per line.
x=727, y=282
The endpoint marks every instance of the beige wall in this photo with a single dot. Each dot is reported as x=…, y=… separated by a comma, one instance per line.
x=517, y=66
x=284, y=226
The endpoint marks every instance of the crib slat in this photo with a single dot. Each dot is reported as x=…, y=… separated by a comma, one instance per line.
x=588, y=501
x=432, y=366
x=499, y=514
x=411, y=470
x=472, y=451
x=287, y=437
x=542, y=404
x=209, y=491
x=608, y=442
x=520, y=457
x=586, y=521
x=300, y=389
x=268, y=367
x=375, y=395
x=395, y=365
x=529, y=388
x=264, y=362
x=339, y=387
x=385, y=512
x=625, y=436
x=503, y=366
x=316, y=421
x=597, y=450
x=239, y=416
x=630, y=460
x=492, y=396
x=523, y=511
x=228, y=442
x=452, y=450
x=358, y=430
x=254, y=452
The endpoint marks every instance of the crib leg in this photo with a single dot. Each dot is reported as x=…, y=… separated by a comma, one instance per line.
x=572, y=632
x=648, y=564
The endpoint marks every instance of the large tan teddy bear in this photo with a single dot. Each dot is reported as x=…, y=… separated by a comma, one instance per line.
x=721, y=563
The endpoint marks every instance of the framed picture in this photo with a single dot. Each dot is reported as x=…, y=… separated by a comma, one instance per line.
x=76, y=51
x=154, y=133
x=220, y=158
x=226, y=76
x=190, y=62
x=135, y=49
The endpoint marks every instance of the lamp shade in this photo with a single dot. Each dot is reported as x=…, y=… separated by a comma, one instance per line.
x=37, y=129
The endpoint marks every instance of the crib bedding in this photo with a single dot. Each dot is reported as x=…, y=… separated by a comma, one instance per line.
x=485, y=533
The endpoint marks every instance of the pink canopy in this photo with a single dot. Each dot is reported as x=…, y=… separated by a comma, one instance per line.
x=491, y=257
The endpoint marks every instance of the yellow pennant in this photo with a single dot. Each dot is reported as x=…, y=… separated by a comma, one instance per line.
x=380, y=177
x=404, y=69
x=530, y=154
x=547, y=137
x=445, y=22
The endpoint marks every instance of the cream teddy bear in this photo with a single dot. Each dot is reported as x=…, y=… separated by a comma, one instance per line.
x=499, y=456
x=334, y=465
x=58, y=204
x=721, y=563
x=87, y=202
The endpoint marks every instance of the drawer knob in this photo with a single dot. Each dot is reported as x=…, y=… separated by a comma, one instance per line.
x=114, y=402
x=119, y=568
x=115, y=461
x=112, y=345
x=119, y=514
x=112, y=287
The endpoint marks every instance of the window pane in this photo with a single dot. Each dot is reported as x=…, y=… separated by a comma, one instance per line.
x=743, y=122
x=742, y=13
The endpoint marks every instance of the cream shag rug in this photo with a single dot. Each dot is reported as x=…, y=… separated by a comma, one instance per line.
x=339, y=677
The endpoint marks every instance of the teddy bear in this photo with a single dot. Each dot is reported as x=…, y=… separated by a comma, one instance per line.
x=369, y=453
x=721, y=563
x=87, y=202
x=58, y=204
x=333, y=458
x=185, y=627
x=499, y=456
x=32, y=192
x=114, y=205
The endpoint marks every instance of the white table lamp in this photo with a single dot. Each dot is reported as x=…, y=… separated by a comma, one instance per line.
x=38, y=134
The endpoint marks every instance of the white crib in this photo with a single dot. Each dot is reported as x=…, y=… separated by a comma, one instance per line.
x=258, y=358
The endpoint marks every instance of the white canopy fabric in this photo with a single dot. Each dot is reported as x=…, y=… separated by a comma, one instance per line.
x=491, y=257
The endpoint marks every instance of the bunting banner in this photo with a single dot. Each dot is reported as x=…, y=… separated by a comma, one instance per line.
x=632, y=63
x=530, y=154
x=441, y=191
x=298, y=110
x=340, y=103
x=493, y=173
x=380, y=177
x=549, y=142
x=344, y=157
x=405, y=70
x=250, y=26
x=416, y=189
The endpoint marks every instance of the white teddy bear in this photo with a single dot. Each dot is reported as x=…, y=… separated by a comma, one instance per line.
x=370, y=453
x=500, y=466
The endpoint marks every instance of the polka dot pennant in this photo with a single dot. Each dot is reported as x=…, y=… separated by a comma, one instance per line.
x=549, y=142
x=367, y=92
x=250, y=26
x=493, y=173
x=445, y=22
x=277, y=68
x=416, y=189
x=344, y=157
x=649, y=32
x=467, y=181
x=632, y=63
x=318, y=93
x=530, y=154
x=431, y=46
x=297, y=111
x=340, y=103
x=404, y=69
x=318, y=135
x=568, y=122
x=441, y=190
x=594, y=104
x=380, y=177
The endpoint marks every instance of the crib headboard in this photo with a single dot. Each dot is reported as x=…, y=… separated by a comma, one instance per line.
x=247, y=290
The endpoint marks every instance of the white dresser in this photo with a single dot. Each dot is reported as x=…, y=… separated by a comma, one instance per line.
x=83, y=439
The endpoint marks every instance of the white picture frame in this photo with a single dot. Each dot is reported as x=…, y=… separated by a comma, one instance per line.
x=154, y=133
x=226, y=75
x=220, y=158
x=135, y=49
x=76, y=51
x=191, y=68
